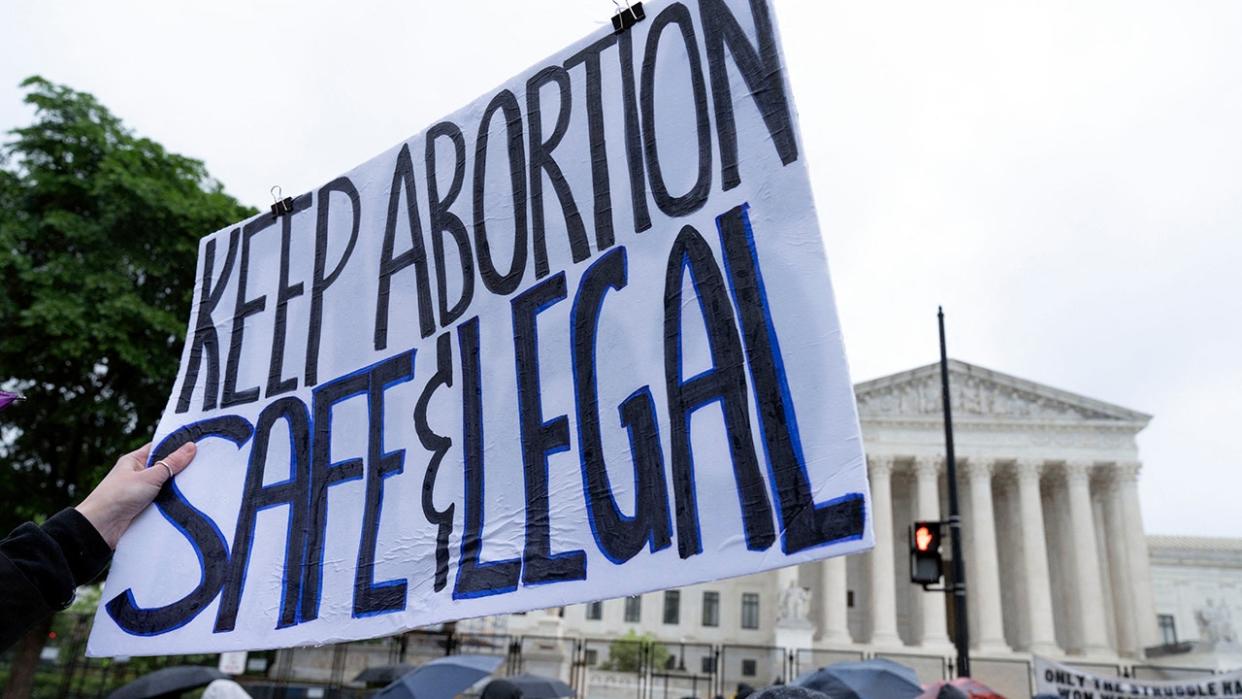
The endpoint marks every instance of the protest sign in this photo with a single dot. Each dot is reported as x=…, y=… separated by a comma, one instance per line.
x=575, y=341
x=1071, y=683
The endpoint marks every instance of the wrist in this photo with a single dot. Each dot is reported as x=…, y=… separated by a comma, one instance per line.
x=101, y=521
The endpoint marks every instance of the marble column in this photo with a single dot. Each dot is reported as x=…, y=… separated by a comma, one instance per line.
x=833, y=613
x=1115, y=541
x=883, y=570
x=983, y=590
x=1035, y=560
x=935, y=626
x=1146, y=633
x=1088, y=593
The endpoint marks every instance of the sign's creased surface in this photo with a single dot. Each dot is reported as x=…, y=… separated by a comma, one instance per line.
x=575, y=341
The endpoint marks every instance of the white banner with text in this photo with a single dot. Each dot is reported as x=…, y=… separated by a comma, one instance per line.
x=1059, y=680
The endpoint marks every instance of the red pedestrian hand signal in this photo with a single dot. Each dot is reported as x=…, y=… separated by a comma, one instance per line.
x=923, y=538
x=926, y=568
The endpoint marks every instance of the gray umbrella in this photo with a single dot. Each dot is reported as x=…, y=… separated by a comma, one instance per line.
x=870, y=679
x=383, y=674
x=171, y=681
x=442, y=678
x=540, y=687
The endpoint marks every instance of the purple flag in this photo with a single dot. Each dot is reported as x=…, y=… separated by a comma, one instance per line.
x=6, y=398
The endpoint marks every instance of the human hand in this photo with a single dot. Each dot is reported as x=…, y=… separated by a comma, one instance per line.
x=128, y=488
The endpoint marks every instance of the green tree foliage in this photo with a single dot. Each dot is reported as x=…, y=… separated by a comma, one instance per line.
x=99, y=234
x=634, y=651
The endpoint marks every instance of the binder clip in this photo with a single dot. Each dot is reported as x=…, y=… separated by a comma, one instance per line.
x=627, y=17
x=279, y=205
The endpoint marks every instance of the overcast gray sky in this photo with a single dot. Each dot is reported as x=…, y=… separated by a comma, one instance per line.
x=1065, y=177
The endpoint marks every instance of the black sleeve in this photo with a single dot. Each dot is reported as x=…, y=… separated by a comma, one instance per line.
x=41, y=566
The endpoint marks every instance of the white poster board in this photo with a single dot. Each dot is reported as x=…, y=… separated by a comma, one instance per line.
x=576, y=341
x=1060, y=680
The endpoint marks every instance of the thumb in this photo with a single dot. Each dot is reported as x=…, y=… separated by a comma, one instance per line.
x=136, y=460
x=177, y=461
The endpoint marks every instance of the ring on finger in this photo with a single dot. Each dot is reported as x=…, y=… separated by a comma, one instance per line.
x=167, y=468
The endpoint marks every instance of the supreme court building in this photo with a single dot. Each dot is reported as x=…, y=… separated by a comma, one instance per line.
x=1055, y=551
x=1057, y=560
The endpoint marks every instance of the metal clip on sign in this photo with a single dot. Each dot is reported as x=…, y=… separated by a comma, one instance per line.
x=627, y=17
x=279, y=205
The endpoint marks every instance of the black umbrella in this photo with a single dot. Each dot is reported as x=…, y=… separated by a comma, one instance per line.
x=540, y=687
x=442, y=678
x=501, y=689
x=383, y=674
x=870, y=679
x=169, y=681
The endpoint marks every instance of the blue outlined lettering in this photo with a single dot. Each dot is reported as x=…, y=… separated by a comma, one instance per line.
x=476, y=578
x=724, y=382
x=539, y=439
x=803, y=524
x=197, y=527
x=370, y=597
x=619, y=537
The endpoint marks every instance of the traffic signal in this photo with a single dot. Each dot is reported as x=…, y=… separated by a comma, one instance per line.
x=926, y=567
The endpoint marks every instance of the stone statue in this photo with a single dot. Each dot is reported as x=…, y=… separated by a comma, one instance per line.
x=795, y=604
x=1216, y=625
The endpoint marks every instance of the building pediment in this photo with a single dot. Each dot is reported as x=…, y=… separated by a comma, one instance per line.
x=982, y=394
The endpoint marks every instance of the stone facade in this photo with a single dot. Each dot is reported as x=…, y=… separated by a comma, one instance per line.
x=1197, y=583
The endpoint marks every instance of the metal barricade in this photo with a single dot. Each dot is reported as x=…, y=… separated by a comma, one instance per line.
x=808, y=659
x=757, y=666
x=929, y=668
x=1011, y=677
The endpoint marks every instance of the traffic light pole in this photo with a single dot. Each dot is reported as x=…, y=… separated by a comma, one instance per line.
x=961, y=635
